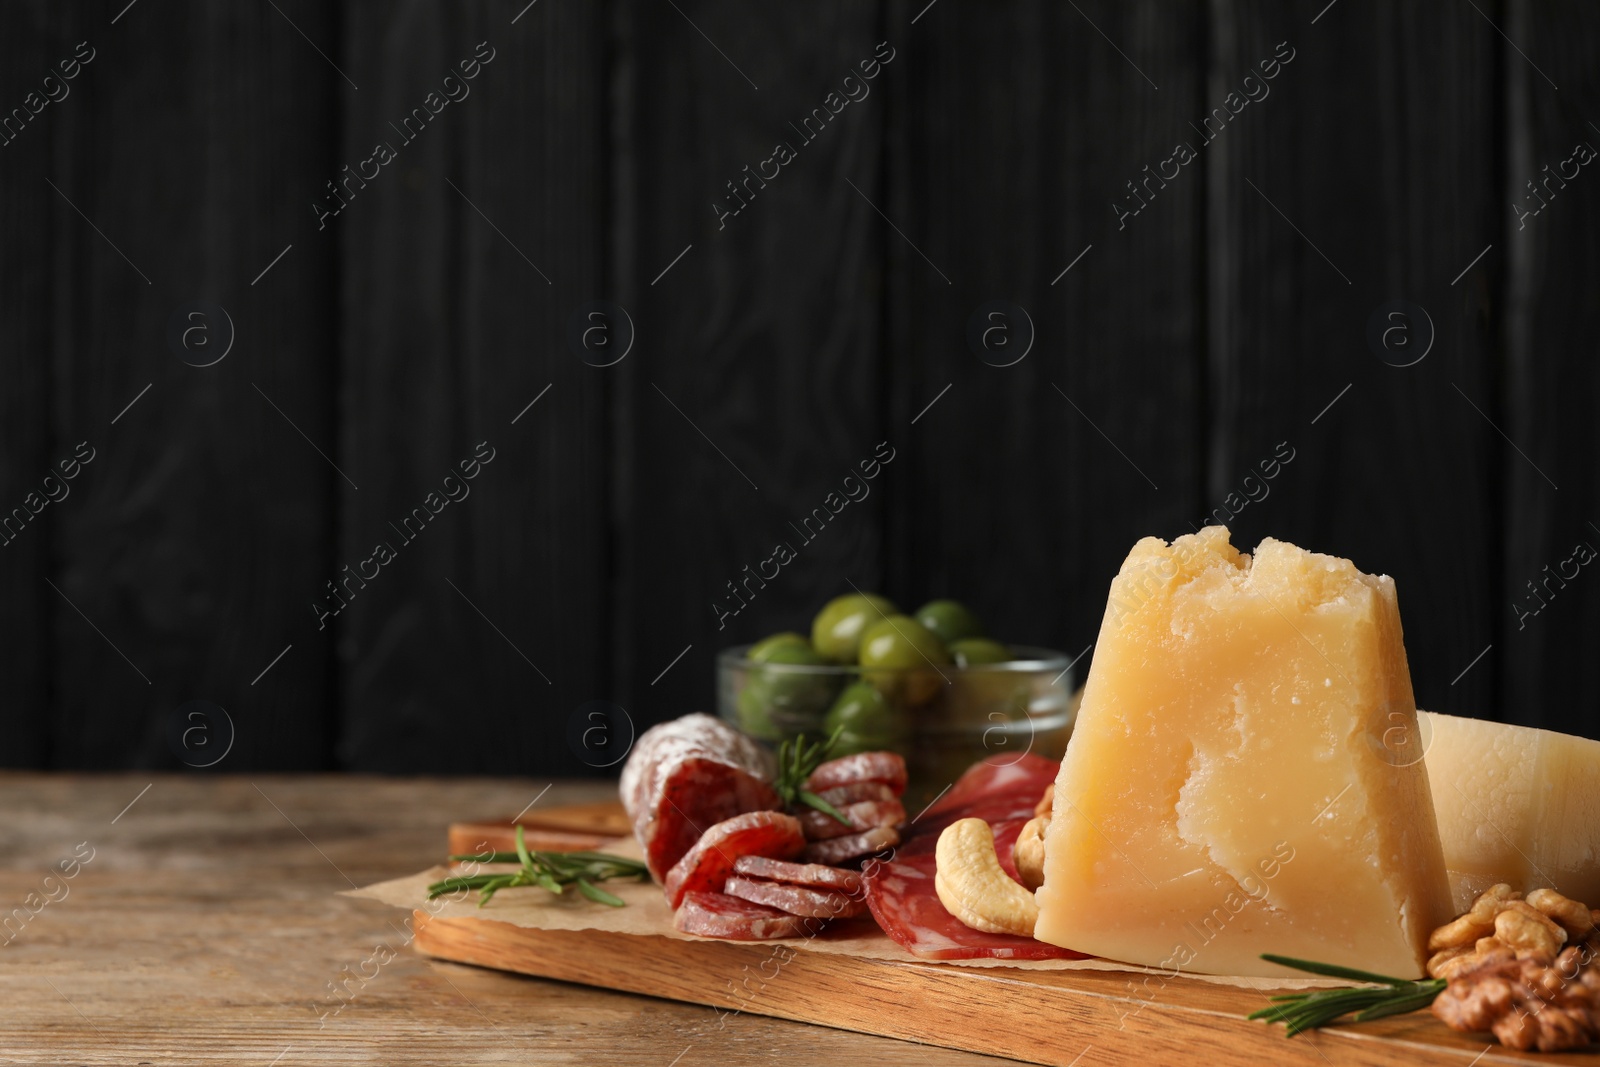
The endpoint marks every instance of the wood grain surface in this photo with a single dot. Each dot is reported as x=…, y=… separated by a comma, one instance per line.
x=1055, y=1017
x=1048, y=1017
x=484, y=236
x=207, y=929
x=1004, y=192
x=780, y=345
x=208, y=149
x=1385, y=457
x=756, y=387
x=1555, y=258
x=26, y=440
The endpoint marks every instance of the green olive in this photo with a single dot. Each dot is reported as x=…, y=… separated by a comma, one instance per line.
x=755, y=716
x=902, y=657
x=775, y=702
x=848, y=744
x=866, y=719
x=837, y=629
x=949, y=620
x=970, y=651
x=762, y=650
x=901, y=641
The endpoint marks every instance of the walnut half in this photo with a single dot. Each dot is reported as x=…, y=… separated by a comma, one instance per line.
x=1527, y=1003
x=1500, y=919
x=1509, y=974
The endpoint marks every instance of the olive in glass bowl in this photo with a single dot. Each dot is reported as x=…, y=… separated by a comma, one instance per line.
x=941, y=716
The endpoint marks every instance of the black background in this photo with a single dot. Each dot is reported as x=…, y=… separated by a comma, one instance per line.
x=772, y=351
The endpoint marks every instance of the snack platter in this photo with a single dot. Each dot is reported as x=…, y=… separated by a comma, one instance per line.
x=1256, y=848
x=1043, y=1012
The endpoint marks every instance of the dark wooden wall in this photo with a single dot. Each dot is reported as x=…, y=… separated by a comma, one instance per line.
x=772, y=350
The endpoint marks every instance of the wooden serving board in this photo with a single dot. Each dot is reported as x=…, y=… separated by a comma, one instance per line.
x=1057, y=1017
x=568, y=829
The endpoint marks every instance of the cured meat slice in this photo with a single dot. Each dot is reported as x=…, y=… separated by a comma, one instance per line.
x=689, y=774
x=732, y=919
x=902, y=898
x=755, y=833
x=999, y=780
x=1002, y=791
x=795, y=899
x=812, y=875
x=995, y=790
x=840, y=795
x=852, y=846
x=886, y=767
x=860, y=816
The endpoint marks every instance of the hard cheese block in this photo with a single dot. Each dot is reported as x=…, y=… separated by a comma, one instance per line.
x=1244, y=775
x=1515, y=805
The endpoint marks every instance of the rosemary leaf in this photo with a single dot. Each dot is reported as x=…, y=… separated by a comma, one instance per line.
x=599, y=896
x=494, y=885
x=1300, y=1012
x=522, y=848
x=797, y=758
x=1333, y=970
x=811, y=799
x=553, y=871
x=1424, y=996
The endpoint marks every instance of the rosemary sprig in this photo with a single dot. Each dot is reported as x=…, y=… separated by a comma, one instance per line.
x=796, y=760
x=552, y=870
x=1300, y=1012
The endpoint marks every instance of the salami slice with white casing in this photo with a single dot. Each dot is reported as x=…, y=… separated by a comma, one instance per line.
x=795, y=899
x=687, y=775
x=885, y=767
x=732, y=919
x=852, y=846
x=855, y=792
x=810, y=875
x=859, y=817
x=709, y=863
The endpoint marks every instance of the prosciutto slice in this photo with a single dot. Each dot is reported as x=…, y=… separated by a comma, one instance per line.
x=1002, y=791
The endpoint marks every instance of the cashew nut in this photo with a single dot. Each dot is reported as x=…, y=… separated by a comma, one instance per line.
x=1028, y=853
x=974, y=887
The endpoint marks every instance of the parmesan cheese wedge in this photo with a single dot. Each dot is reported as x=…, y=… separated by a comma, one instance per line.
x=1516, y=805
x=1245, y=774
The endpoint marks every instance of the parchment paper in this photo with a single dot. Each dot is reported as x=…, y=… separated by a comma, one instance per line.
x=647, y=914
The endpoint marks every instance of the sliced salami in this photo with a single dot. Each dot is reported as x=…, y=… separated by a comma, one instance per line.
x=1003, y=792
x=755, y=833
x=860, y=816
x=907, y=907
x=687, y=775
x=995, y=790
x=732, y=919
x=999, y=781
x=811, y=875
x=885, y=767
x=795, y=899
x=852, y=846
x=840, y=795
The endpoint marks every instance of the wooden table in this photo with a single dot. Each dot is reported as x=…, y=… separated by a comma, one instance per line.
x=207, y=928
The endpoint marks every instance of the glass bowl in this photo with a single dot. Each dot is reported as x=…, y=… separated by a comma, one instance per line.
x=941, y=719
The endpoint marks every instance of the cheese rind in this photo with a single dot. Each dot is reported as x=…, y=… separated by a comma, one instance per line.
x=1516, y=805
x=1244, y=776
